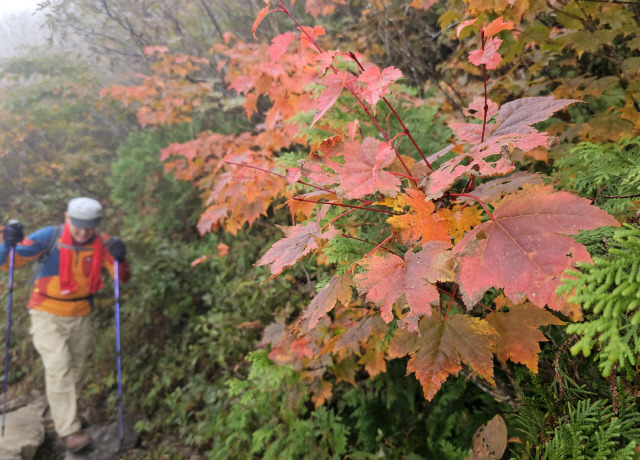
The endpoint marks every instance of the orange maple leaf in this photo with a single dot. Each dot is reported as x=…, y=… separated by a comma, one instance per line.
x=373, y=360
x=518, y=332
x=442, y=345
x=357, y=333
x=421, y=223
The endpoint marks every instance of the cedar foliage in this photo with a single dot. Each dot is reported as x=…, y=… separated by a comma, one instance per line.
x=609, y=290
x=564, y=420
x=609, y=174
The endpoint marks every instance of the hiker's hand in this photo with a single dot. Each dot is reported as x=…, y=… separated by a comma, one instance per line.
x=13, y=233
x=117, y=249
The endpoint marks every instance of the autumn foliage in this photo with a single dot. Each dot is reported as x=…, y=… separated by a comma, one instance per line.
x=412, y=278
x=470, y=251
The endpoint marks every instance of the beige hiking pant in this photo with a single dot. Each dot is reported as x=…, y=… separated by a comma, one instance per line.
x=64, y=344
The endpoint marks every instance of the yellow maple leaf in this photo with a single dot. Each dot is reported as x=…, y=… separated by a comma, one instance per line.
x=461, y=219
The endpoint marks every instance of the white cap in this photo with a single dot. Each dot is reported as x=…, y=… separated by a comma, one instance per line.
x=84, y=212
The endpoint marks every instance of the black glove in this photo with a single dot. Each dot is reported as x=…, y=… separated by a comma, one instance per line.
x=13, y=233
x=117, y=249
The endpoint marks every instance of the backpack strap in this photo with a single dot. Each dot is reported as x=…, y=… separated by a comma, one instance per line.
x=52, y=244
x=47, y=252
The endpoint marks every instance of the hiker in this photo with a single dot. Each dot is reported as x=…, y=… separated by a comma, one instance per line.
x=72, y=257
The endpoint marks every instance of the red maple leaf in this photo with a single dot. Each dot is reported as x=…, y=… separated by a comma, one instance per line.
x=450, y=171
x=388, y=277
x=493, y=190
x=297, y=243
x=363, y=171
x=314, y=33
x=242, y=84
x=279, y=46
x=326, y=59
x=512, y=127
x=316, y=173
x=523, y=249
x=488, y=56
x=334, y=83
x=476, y=108
x=516, y=117
x=376, y=82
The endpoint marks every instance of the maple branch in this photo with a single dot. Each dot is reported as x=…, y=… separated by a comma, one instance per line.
x=405, y=130
x=362, y=105
x=348, y=206
x=363, y=241
x=374, y=250
x=486, y=105
x=453, y=295
x=472, y=181
x=279, y=175
x=366, y=203
x=477, y=199
x=377, y=125
x=378, y=246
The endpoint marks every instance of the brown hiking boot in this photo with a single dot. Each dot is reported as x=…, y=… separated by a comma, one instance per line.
x=76, y=441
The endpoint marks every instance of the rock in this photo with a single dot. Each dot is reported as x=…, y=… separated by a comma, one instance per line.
x=106, y=442
x=24, y=431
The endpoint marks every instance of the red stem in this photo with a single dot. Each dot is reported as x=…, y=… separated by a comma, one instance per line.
x=348, y=206
x=279, y=175
x=403, y=175
x=366, y=203
x=472, y=182
x=364, y=241
x=453, y=295
x=486, y=104
x=374, y=250
x=477, y=199
x=365, y=108
x=477, y=303
x=404, y=127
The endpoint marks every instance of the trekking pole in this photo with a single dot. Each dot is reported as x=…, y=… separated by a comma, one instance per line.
x=12, y=255
x=116, y=286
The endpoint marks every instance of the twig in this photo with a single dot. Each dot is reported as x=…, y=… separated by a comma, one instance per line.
x=635, y=195
x=349, y=206
x=556, y=362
